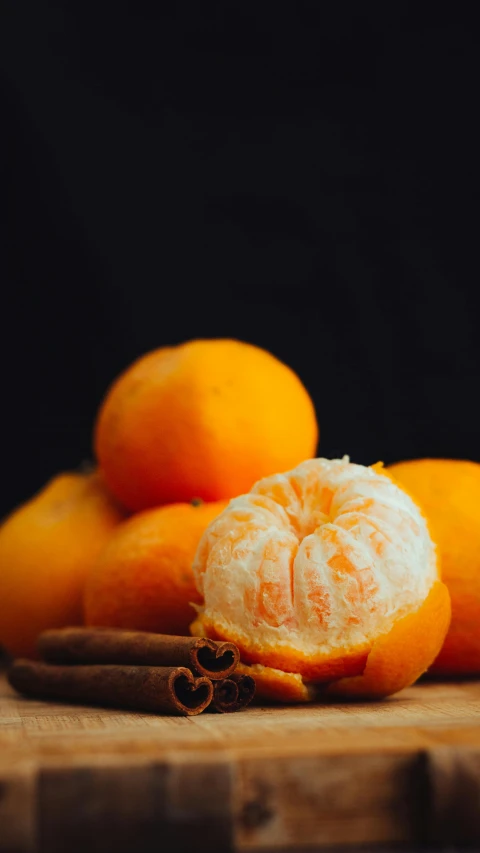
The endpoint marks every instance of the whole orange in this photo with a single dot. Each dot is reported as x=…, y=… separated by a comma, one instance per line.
x=47, y=547
x=449, y=492
x=203, y=419
x=143, y=578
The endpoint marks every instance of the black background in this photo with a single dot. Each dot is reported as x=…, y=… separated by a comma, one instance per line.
x=301, y=177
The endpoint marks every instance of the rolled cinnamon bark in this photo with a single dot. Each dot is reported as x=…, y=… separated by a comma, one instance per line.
x=232, y=694
x=215, y=660
x=166, y=690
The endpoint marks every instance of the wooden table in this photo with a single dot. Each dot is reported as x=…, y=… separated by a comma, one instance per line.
x=405, y=770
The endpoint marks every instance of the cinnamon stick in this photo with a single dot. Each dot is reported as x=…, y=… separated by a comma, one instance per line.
x=167, y=690
x=215, y=660
x=233, y=693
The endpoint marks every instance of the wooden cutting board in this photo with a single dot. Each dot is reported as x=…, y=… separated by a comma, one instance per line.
x=405, y=770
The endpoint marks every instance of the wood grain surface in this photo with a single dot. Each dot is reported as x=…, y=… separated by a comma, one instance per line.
x=402, y=771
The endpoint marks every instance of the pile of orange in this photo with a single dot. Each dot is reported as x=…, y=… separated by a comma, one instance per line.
x=208, y=511
x=182, y=429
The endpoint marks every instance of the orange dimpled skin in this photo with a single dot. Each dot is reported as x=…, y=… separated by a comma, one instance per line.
x=449, y=492
x=324, y=575
x=47, y=547
x=143, y=578
x=203, y=419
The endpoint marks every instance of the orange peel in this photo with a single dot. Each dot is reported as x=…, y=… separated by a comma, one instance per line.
x=275, y=685
x=397, y=659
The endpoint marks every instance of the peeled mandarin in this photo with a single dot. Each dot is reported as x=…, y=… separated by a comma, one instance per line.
x=311, y=569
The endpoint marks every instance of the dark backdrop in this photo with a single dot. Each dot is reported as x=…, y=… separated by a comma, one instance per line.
x=303, y=179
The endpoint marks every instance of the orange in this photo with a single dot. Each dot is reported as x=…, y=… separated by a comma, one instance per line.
x=203, y=419
x=449, y=492
x=325, y=575
x=143, y=578
x=47, y=547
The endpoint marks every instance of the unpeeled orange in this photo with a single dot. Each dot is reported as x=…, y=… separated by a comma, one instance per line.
x=325, y=575
x=449, y=492
x=47, y=547
x=203, y=419
x=143, y=578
